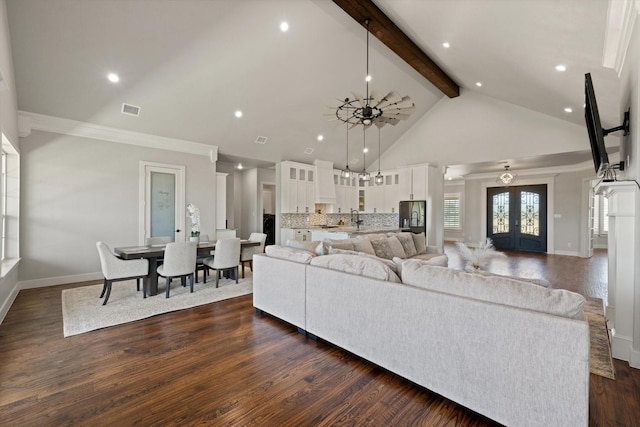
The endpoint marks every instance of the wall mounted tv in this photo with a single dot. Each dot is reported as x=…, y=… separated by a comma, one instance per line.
x=597, y=133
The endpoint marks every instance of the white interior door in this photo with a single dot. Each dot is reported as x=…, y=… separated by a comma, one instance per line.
x=162, y=206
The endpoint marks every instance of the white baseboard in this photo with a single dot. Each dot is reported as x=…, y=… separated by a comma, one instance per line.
x=60, y=280
x=634, y=359
x=9, y=301
x=567, y=253
x=621, y=347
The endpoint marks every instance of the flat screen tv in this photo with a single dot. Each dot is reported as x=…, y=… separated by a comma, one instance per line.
x=594, y=127
x=597, y=133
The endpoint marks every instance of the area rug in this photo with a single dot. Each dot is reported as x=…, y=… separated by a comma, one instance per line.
x=600, y=362
x=82, y=309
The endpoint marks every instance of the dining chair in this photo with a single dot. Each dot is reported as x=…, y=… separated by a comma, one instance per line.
x=179, y=261
x=226, y=259
x=115, y=269
x=246, y=255
x=204, y=238
x=158, y=240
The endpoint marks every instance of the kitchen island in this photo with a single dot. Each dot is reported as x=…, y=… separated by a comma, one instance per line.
x=348, y=232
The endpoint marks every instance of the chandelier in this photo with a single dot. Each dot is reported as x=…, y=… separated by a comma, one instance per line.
x=506, y=177
x=373, y=108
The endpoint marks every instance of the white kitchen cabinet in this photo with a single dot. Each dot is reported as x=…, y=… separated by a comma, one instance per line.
x=413, y=182
x=346, y=194
x=391, y=194
x=297, y=188
x=302, y=235
x=382, y=198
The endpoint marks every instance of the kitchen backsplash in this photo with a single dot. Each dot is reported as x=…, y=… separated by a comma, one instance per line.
x=317, y=219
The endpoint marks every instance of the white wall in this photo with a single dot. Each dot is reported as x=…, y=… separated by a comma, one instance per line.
x=252, y=180
x=76, y=191
x=500, y=131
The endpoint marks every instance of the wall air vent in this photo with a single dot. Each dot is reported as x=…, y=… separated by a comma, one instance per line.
x=131, y=110
x=261, y=140
x=308, y=150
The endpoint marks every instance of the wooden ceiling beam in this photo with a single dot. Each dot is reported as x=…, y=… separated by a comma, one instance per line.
x=394, y=38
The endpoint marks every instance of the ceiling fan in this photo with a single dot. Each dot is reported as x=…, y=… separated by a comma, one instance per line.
x=374, y=108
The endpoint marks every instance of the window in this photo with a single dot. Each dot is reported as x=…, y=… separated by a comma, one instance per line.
x=3, y=205
x=452, y=211
x=600, y=215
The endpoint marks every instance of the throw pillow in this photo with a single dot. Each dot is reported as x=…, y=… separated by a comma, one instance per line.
x=407, y=244
x=420, y=242
x=306, y=245
x=339, y=244
x=387, y=262
x=396, y=247
x=382, y=249
x=363, y=245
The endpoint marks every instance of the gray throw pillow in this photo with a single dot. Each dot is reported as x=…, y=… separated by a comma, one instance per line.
x=396, y=247
x=363, y=245
x=420, y=242
x=407, y=244
x=382, y=249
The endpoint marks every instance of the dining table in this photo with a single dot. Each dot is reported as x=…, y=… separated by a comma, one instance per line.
x=155, y=253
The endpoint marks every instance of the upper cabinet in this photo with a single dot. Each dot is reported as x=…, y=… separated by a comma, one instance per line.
x=380, y=198
x=346, y=194
x=413, y=182
x=325, y=187
x=298, y=187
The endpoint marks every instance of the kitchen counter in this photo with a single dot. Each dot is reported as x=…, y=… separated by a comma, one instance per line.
x=345, y=232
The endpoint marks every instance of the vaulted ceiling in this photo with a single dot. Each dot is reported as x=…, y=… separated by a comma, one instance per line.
x=190, y=64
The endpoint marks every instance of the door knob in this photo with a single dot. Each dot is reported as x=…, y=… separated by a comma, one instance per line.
x=177, y=231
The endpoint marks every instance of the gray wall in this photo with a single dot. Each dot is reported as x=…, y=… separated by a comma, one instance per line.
x=76, y=191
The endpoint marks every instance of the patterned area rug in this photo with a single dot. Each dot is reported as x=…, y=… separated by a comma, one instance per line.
x=82, y=309
x=600, y=362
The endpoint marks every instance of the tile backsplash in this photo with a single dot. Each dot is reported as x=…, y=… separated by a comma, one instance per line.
x=291, y=220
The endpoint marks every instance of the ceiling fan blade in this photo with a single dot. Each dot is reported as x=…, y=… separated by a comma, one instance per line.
x=391, y=98
x=380, y=122
x=392, y=121
x=375, y=97
x=359, y=98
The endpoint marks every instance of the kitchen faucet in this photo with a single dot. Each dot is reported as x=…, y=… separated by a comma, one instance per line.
x=358, y=221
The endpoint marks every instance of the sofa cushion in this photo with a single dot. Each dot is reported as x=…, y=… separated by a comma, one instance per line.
x=396, y=247
x=381, y=248
x=420, y=242
x=387, y=262
x=438, y=260
x=339, y=244
x=540, y=282
x=500, y=290
x=407, y=244
x=355, y=264
x=292, y=254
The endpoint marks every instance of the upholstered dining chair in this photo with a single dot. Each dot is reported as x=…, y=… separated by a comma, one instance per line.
x=115, y=269
x=200, y=258
x=158, y=240
x=179, y=261
x=246, y=255
x=227, y=258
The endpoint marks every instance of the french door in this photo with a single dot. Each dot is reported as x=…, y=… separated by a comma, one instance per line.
x=517, y=217
x=162, y=207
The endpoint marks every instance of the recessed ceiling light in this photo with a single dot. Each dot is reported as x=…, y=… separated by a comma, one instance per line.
x=113, y=77
x=239, y=166
x=365, y=150
x=446, y=45
x=238, y=113
x=479, y=84
x=561, y=68
x=284, y=26
x=320, y=137
x=368, y=78
x=568, y=110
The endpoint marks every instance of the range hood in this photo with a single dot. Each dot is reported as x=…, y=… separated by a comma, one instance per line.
x=325, y=186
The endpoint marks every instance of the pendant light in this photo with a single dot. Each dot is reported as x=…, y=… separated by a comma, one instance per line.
x=379, y=180
x=346, y=172
x=364, y=176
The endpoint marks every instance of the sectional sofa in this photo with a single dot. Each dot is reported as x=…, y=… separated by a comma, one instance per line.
x=513, y=351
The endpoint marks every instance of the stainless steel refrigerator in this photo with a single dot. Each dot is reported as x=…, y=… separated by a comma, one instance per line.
x=412, y=214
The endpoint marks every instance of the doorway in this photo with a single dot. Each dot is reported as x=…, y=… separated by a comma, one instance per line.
x=517, y=217
x=162, y=201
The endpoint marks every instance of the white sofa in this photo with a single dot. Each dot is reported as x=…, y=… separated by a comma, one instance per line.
x=505, y=360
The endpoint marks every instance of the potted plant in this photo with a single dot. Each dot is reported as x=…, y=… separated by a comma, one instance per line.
x=194, y=214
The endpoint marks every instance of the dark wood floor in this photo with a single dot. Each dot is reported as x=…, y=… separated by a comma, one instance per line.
x=223, y=364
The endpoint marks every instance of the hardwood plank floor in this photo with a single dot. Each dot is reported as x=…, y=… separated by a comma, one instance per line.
x=224, y=364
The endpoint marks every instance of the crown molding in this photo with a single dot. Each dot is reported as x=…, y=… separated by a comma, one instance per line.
x=621, y=18
x=28, y=121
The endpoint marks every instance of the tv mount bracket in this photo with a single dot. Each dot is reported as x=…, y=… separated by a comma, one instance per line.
x=624, y=126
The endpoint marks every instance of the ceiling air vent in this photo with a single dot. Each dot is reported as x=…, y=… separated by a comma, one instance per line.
x=261, y=140
x=131, y=110
x=309, y=150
